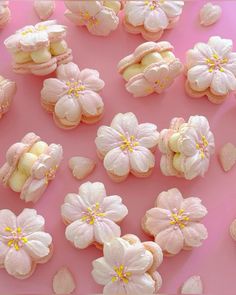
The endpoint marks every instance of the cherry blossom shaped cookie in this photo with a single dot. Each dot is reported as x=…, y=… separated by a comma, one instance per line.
x=7, y=91
x=30, y=165
x=128, y=266
x=211, y=70
x=91, y=216
x=23, y=242
x=39, y=49
x=100, y=17
x=186, y=147
x=127, y=147
x=151, y=68
x=73, y=96
x=151, y=18
x=174, y=222
x=5, y=13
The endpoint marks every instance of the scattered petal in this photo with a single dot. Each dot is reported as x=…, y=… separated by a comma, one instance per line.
x=63, y=282
x=44, y=8
x=81, y=167
x=193, y=285
x=232, y=230
x=227, y=156
x=209, y=14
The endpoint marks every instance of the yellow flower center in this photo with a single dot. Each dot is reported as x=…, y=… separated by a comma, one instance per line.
x=216, y=63
x=179, y=218
x=89, y=19
x=162, y=83
x=50, y=174
x=92, y=214
x=31, y=30
x=16, y=239
x=75, y=88
x=128, y=143
x=202, y=146
x=153, y=4
x=121, y=274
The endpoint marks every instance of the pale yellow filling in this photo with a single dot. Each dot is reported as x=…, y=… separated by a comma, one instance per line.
x=23, y=170
x=114, y=5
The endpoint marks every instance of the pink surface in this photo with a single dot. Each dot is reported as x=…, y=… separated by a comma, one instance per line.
x=215, y=260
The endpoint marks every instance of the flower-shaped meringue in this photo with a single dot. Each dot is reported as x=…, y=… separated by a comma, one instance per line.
x=186, y=147
x=7, y=91
x=151, y=17
x=151, y=68
x=175, y=222
x=211, y=69
x=100, y=17
x=34, y=37
x=23, y=242
x=73, y=96
x=92, y=215
x=127, y=146
x=5, y=13
x=30, y=165
x=128, y=267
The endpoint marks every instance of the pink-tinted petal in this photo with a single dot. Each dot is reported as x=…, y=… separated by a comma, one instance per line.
x=139, y=86
x=194, y=208
x=147, y=135
x=141, y=159
x=141, y=284
x=114, y=251
x=91, y=7
x=33, y=189
x=81, y=167
x=156, y=20
x=73, y=5
x=90, y=79
x=172, y=8
x=73, y=207
x=91, y=103
x=157, y=220
x=169, y=200
x=52, y=90
x=114, y=288
x=18, y=263
x=105, y=230
x=102, y=271
x=30, y=222
x=92, y=193
x=170, y=240
x=68, y=72
x=117, y=162
x=125, y=123
x=220, y=46
x=63, y=282
x=199, y=77
x=7, y=219
x=3, y=251
x=38, y=244
x=80, y=233
x=204, y=49
x=114, y=209
x=136, y=12
x=194, y=233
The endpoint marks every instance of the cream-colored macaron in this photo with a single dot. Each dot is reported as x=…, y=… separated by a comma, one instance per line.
x=38, y=148
x=17, y=180
x=151, y=58
x=58, y=48
x=26, y=162
x=40, y=56
x=21, y=57
x=132, y=71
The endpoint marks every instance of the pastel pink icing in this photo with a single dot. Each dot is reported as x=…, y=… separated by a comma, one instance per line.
x=92, y=215
x=43, y=169
x=150, y=18
x=126, y=146
x=7, y=91
x=175, y=222
x=5, y=13
x=99, y=19
x=211, y=69
x=23, y=242
x=31, y=38
x=194, y=157
x=73, y=96
x=127, y=267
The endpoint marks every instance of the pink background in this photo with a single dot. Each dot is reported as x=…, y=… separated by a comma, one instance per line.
x=215, y=260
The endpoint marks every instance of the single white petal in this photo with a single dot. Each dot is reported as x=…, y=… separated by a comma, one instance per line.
x=140, y=284
x=192, y=285
x=114, y=209
x=7, y=219
x=63, y=281
x=125, y=123
x=141, y=159
x=92, y=192
x=73, y=207
x=156, y=20
x=117, y=162
x=199, y=77
x=29, y=221
x=220, y=46
x=102, y=271
x=105, y=230
x=81, y=166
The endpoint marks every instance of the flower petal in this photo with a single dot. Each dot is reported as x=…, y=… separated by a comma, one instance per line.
x=194, y=208
x=7, y=219
x=73, y=207
x=90, y=7
x=221, y=46
x=81, y=167
x=194, y=233
x=140, y=284
x=204, y=49
x=90, y=79
x=91, y=103
x=105, y=230
x=18, y=263
x=114, y=288
x=199, y=77
x=80, y=233
x=30, y=222
x=139, y=86
x=135, y=12
x=170, y=199
x=156, y=20
x=63, y=282
x=102, y=271
x=114, y=209
x=52, y=90
x=92, y=192
x=68, y=72
x=3, y=252
x=170, y=240
x=114, y=251
x=172, y=8
x=141, y=159
x=157, y=220
x=107, y=139
x=231, y=64
x=38, y=245
x=147, y=135
x=117, y=162
x=195, y=166
x=125, y=123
